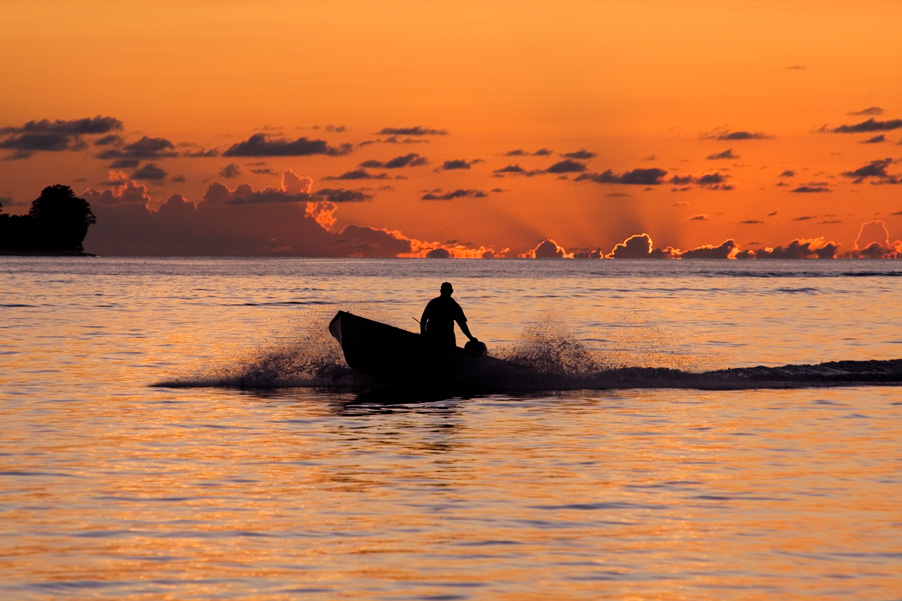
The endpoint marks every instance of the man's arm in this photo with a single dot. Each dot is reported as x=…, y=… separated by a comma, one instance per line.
x=465, y=329
x=461, y=320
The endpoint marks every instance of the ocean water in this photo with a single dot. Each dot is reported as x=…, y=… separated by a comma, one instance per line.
x=187, y=429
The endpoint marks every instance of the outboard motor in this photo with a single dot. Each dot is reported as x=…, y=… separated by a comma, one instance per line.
x=475, y=346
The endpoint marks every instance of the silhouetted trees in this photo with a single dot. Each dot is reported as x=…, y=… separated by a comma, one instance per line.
x=58, y=221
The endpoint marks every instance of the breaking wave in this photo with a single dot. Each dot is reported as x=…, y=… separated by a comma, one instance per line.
x=547, y=357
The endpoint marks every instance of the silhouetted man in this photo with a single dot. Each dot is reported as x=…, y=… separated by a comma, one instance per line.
x=437, y=323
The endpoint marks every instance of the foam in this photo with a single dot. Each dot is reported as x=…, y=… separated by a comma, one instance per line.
x=547, y=357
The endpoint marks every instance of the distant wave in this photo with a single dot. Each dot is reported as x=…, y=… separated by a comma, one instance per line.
x=802, y=273
x=519, y=377
x=833, y=373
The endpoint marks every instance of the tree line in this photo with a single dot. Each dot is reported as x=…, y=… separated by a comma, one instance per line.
x=57, y=222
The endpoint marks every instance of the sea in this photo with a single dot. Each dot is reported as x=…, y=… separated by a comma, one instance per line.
x=186, y=428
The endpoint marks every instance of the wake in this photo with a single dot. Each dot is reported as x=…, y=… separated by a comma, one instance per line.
x=546, y=358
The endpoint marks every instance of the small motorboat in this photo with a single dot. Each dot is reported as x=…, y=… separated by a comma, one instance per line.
x=401, y=358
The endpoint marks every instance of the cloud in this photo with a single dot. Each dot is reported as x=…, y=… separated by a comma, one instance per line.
x=149, y=172
x=699, y=217
x=567, y=166
x=261, y=145
x=146, y=148
x=812, y=188
x=726, y=250
x=248, y=222
x=582, y=155
x=417, y=130
x=408, y=160
x=458, y=164
x=875, y=140
x=547, y=249
x=711, y=181
x=751, y=222
x=640, y=246
x=245, y=194
x=873, y=242
x=122, y=192
x=737, y=135
x=293, y=188
x=340, y=195
x=55, y=136
x=875, y=169
x=76, y=127
x=296, y=184
x=110, y=140
x=635, y=247
x=542, y=152
x=871, y=110
x=516, y=170
x=726, y=154
x=870, y=232
x=393, y=140
x=230, y=171
x=796, y=68
x=811, y=248
x=202, y=154
x=362, y=241
x=357, y=174
x=9, y=201
x=24, y=145
x=871, y=125
x=455, y=194
x=637, y=177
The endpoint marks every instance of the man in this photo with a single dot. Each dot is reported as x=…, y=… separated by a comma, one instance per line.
x=437, y=323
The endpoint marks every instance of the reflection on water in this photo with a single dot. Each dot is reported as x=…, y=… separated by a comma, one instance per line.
x=782, y=493
x=111, y=488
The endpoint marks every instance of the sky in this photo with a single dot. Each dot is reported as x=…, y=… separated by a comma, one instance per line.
x=745, y=128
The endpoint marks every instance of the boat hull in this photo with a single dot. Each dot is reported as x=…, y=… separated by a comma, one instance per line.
x=401, y=358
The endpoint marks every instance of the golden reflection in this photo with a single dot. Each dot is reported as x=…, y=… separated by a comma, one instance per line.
x=110, y=487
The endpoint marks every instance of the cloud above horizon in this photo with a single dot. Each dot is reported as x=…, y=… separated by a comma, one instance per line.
x=261, y=145
x=567, y=166
x=458, y=164
x=726, y=154
x=437, y=195
x=725, y=134
x=636, y=177
x=417, y=130
x=875, y=169
x=408, y=160
x=130, y=155
x=870, y=125
x=54, y=136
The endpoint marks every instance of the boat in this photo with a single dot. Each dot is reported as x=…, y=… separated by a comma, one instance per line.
x=398, y=357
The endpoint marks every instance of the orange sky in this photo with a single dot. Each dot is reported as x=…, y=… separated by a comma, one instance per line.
x=695, y=122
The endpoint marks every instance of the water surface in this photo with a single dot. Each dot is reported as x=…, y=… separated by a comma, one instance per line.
x=113, y=488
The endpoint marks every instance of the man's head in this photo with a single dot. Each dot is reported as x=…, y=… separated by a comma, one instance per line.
x=447, y=289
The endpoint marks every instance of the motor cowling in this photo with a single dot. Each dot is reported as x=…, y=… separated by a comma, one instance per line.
x=475, y=346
